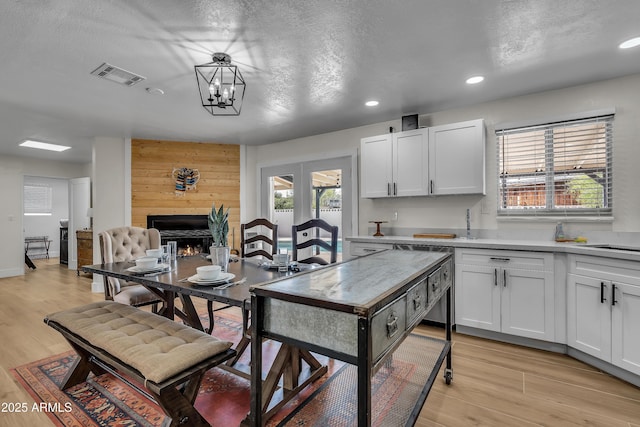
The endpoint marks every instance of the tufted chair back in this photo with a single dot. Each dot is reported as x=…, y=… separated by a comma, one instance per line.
x=126, y=244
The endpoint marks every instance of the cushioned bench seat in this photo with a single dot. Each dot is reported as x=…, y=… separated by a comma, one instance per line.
x=156, y=351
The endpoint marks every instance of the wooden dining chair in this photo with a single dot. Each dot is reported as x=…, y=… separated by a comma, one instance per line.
x=311, y=236
x=262, y=230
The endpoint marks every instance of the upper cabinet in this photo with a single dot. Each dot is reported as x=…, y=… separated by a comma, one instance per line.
x=395, y=164
x=457, y=160
x=441, y=160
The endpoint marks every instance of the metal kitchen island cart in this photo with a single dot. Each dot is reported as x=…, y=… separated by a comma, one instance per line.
x=359, y=311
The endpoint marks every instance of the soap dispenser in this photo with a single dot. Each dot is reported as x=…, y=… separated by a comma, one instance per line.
x=559, y=232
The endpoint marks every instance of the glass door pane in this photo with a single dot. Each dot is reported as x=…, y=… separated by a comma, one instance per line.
x=326, y=204
x=294, y=193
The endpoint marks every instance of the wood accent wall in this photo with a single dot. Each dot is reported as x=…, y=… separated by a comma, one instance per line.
x=153, y=189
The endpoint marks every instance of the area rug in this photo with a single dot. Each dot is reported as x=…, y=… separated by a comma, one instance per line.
x=224, y=398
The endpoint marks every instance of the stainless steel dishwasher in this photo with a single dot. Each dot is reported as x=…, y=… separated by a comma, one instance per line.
x=436, y=314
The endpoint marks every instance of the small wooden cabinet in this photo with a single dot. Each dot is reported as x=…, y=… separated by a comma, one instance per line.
x=85, y=248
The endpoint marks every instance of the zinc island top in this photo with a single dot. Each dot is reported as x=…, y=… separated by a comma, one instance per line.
x=356, y=286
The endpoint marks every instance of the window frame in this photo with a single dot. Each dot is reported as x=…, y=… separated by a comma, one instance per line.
x=550, y=208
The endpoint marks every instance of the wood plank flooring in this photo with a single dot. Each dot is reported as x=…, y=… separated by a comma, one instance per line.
x=494, y=384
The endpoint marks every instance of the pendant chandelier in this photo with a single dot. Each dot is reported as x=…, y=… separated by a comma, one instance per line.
x=221, y=86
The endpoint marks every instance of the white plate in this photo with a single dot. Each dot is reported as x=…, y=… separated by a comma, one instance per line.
x=159, y=267
x=232, y=257
x=273, y=265
x=222, y=279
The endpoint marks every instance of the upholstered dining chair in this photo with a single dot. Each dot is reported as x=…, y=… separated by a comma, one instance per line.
x=127, y=244
x=262, y=230
x=310, y=232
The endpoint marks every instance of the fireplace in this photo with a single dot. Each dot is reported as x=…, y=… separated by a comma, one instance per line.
x=190, y=231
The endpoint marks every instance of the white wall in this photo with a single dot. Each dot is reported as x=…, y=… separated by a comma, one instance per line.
x=448, y=212
x=111, y=196
x=12, y=171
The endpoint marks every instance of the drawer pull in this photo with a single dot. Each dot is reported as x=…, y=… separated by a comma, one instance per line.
x=369, y=250
x=500, y=259
x=417, y=302
x=392, y=324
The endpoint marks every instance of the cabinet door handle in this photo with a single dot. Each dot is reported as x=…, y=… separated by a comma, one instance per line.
x=495, y=277
x=388, y=188
x=504, y=277
x=395, y=189
x=613, y=294
x=602, y=297
x=431, y=187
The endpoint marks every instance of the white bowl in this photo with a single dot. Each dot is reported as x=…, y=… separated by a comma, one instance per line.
x=209, y=272
x=154, y=253
x=147, y=262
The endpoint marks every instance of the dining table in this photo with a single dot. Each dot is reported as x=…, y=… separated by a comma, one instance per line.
x=177, y=279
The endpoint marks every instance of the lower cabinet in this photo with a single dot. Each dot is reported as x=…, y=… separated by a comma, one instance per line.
x=603, y=309
x=84, y=248
x=510, y=292
x=361, y=249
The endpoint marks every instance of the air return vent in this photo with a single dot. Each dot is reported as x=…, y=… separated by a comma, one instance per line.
x=117, y=75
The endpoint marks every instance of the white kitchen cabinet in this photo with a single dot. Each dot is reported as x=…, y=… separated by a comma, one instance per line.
x=603, y=309
x=457, y=158
x=506, y=291
x=361, y=249
x=447, y=159
x=395, y=164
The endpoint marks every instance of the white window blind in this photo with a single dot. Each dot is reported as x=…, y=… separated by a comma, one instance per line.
x=38, y=199
x=562, y=168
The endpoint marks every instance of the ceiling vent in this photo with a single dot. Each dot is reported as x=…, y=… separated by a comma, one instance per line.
x=117, y=75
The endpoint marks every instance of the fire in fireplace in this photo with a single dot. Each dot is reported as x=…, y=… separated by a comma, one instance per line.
x=190, y=231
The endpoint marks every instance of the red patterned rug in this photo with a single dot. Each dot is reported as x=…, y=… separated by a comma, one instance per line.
x=223, y=398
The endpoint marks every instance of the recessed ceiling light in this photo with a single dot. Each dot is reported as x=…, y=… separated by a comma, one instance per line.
x=43, y=145
x=371, y=103
x=630, y=43
x=474, y=80
x=155, y=91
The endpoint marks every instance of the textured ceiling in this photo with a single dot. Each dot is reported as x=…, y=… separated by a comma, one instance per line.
x=309, y=65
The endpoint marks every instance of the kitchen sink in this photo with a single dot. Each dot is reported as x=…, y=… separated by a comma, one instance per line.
x=613, y=247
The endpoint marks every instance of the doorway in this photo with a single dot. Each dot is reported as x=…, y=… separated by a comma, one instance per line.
x=296, y=192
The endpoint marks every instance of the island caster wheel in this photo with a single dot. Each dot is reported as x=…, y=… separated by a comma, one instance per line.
x=448, y=376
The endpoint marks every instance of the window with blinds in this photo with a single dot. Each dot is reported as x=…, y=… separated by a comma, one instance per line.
x=562, y=168
x=38, y=199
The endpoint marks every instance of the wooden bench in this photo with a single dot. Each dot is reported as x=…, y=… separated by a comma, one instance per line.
x=167, y=358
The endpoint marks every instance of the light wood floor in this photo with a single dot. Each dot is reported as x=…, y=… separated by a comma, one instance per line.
x=494, y=384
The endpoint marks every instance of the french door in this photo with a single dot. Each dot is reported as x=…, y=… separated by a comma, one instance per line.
x=296, y=192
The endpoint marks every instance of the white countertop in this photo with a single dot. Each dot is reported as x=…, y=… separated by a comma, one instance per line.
x=505, y=244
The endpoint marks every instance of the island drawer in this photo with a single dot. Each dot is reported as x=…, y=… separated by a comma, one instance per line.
x=388, y=326
x=417, y=299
